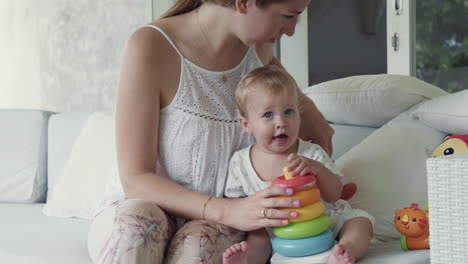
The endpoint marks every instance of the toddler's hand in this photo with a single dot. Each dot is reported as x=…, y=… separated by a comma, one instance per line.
x=300, y=165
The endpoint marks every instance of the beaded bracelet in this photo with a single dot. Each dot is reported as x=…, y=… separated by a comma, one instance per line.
x=204, y=206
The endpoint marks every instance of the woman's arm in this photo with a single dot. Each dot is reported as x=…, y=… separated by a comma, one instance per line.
x=150, y=68
x=142, y=82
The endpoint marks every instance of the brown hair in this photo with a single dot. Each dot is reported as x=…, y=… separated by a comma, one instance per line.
x=269, y=78
x=184, y=6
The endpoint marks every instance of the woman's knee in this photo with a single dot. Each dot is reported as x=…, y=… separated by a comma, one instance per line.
x=145, y=217
x=130, y=230
x=202, y=240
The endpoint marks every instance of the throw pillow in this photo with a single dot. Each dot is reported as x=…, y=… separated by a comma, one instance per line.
x=390, y=170
x=448, y=113
x=81, y=185
x=369, y=100
x=23, y=155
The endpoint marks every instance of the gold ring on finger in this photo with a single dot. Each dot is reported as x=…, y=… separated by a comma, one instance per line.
x=265, y=212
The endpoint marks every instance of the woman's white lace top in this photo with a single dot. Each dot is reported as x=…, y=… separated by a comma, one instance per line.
x=199, y=130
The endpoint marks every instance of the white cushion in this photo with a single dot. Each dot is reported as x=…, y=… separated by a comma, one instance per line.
x=346, y=137
x=369, y=100
x=23, y=154
x=28, y=236
x=81, y=185
x=23, y=242
x=448, y=113
x=389, y=169
x=379, y=252
x=64, y=130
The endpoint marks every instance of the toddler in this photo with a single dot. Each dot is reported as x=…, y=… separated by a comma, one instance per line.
x=269, y=106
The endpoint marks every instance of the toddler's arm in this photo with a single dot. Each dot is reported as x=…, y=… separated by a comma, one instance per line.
x=329, y=183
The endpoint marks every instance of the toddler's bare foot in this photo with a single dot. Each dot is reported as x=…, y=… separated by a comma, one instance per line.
x=340, y=255
x=236, y=254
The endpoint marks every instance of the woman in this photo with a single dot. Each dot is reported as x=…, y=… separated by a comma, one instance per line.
x=177, y=128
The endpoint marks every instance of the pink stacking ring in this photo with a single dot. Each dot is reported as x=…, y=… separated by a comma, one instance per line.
x=295, y=182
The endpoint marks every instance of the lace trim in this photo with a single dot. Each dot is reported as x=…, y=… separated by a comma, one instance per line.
x=205, y=116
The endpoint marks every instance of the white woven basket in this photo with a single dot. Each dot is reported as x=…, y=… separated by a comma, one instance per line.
x=448, y=208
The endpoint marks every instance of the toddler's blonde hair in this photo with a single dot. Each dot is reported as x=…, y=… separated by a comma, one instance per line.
x=268, y=78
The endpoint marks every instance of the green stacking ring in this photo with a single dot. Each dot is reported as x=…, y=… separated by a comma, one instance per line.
x=303, y=229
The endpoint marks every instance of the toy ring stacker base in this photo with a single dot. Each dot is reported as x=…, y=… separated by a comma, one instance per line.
x=307, y=196
x=307, y=212
x=294, y=182
x=305, y=246
x=303, y=229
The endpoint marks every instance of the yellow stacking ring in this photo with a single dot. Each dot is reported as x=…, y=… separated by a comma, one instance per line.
x=307, y=196
x=303, y=229
x=307, y=212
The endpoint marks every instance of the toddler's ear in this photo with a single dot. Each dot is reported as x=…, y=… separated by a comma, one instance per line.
x=245, y=124
x=241, y=5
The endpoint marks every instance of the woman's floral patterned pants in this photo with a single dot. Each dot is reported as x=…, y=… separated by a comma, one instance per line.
x=138, y=231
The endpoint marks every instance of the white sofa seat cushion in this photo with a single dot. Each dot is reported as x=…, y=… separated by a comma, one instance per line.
x=379, y=252
x=28, y=236
x=390, y=252
x=23, y=154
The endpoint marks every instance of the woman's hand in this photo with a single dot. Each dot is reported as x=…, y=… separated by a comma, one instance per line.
x=300, y=165
x=257, y=210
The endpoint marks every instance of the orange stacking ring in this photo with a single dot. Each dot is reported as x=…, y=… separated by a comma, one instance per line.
x=307, y=212
x=294, y=182
x=307, y=196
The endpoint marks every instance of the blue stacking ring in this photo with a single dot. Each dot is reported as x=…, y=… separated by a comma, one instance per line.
x=304, y=246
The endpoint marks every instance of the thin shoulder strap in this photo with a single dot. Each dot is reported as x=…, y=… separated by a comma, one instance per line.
x=167, y=37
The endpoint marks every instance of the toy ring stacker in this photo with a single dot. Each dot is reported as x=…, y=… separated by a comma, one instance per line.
x=307, y=196
x=307, y=212
x=303, y=229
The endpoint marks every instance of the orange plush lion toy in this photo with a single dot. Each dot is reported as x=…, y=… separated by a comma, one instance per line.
x=413, y=223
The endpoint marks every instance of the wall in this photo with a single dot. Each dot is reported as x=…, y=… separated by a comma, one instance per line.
x=64, y=55
x=19, y=60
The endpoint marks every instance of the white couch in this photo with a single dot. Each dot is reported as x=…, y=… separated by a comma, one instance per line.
x=29, y=236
